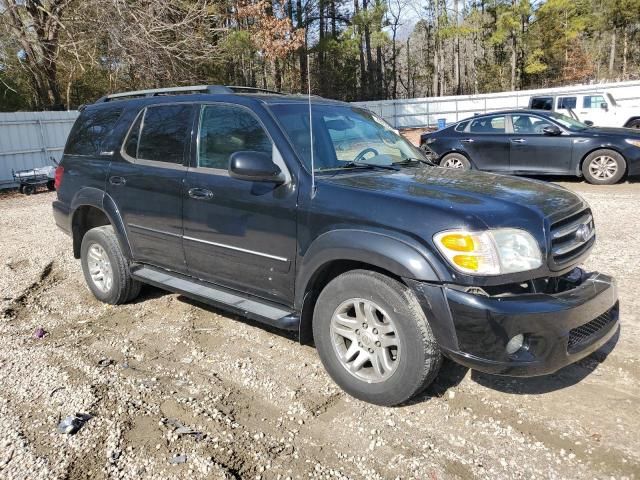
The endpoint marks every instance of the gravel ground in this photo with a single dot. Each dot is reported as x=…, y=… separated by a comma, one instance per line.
x=255, y=404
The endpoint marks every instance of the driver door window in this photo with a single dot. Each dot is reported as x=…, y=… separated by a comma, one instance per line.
x=529, y=125
x=226, y=129
x=593, y=101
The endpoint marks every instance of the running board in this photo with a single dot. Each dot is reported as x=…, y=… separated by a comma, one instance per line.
x=264, y=312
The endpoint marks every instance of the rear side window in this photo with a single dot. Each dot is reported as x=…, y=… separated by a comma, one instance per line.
x=226, y=129
x=542, y=103
x=91, y=130
x=160, y=134
x=567, y=102
x=488, y=125
x=165, y=133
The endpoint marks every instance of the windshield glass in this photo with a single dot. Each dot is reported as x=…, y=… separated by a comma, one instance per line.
x=568, y=122
x=343, y=137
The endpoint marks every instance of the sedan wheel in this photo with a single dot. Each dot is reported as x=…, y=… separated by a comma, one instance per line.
x=453, y=163
x=455, y=160
x=604, y=167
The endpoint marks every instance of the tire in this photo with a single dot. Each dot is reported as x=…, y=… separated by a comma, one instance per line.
x=604, y=167
x=634, y=123
x=455, y=160
x=101, y=249
x=417, y=355
x=29, y=189
x=51, y=186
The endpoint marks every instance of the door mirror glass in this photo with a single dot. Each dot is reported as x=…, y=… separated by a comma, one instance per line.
x=255, y=167
x=604, y=106
x=588, y=123
x=551, y=130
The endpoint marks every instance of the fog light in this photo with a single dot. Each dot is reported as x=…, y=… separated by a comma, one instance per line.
x=515, y=344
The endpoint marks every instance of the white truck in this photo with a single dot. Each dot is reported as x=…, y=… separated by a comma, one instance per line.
x=596, y=107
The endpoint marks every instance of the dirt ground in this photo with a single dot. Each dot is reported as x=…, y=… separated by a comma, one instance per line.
x=257, y=405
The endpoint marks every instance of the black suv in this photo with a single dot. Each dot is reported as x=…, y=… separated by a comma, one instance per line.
x=385, y=261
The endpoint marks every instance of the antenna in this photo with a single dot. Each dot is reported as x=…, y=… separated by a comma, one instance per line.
x=313, y=173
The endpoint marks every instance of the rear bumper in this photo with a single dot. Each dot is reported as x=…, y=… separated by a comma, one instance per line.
x=559, y=329
x=61, y=214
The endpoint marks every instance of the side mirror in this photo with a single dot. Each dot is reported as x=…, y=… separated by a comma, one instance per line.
x=604, y=106
x=588, y=123
x=254, y=167
x=551, y=130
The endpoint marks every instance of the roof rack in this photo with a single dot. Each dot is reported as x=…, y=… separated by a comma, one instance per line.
x=210, y=89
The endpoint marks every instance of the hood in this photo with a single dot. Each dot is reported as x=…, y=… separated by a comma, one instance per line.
x=616, y=131
x=484, y=195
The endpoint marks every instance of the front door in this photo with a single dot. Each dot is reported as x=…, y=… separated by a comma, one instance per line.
x=146, y=183
x=485, y=141
x=239, y=234
x=531, y=151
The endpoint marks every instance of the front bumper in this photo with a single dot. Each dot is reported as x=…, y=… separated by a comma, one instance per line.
x=559, y=328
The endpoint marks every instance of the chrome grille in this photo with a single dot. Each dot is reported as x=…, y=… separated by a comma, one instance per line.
x=571, y=237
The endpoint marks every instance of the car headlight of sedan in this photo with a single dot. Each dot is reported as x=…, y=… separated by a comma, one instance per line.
x=631, y=141
x=489, y=252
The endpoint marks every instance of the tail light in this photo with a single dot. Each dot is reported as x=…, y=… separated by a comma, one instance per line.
x=58, y=177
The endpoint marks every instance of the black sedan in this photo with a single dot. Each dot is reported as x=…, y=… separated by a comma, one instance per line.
x=533, y=142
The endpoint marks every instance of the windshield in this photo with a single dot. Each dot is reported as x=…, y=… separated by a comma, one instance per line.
x=568, y=122
x=343, y=137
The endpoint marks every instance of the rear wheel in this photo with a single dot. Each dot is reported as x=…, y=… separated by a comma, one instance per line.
x=455, y=160
x=373, y=338
x=604, y=167
x=29, y=189
x=105, y=268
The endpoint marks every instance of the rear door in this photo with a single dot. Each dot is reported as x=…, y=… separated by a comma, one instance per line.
x=531, y=151
x=237, y=233
x=146, y=184
x=486, y=142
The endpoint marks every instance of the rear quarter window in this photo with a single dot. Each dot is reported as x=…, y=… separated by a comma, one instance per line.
x=461, y=126
x=91, y=130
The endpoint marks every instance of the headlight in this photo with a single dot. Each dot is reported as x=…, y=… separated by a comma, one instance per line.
x=489, y=252
x=635, y=143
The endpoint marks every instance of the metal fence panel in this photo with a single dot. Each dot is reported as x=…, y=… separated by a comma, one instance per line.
x=29, y=139
x=422, y=112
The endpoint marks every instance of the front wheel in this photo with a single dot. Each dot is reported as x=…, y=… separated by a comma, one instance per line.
x=455, y=160
x=604, y=167
x=373, y=338
x=634, y=124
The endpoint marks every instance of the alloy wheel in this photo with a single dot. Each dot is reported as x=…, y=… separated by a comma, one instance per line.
x=453, y=163
x=603, y=167
x=100, y=267
x=365, y=340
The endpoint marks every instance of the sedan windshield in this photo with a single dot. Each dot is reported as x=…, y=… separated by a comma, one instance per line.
x=568, y=122
x=343, y=137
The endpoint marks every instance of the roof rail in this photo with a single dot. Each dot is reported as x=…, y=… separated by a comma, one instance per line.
x=211, y=89
x=167, y=91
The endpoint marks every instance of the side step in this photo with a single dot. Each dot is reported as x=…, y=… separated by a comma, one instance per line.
x=227, y=299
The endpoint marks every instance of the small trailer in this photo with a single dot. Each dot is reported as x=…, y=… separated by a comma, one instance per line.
x=29, y=180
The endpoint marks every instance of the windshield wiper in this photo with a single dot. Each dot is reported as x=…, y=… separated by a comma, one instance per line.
x=424, y=161
x=369, y=165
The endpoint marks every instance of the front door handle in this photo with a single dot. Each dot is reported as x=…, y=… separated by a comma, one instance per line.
x=116, y=180
x=468, y=140
x=518, y=140
x=200, y=193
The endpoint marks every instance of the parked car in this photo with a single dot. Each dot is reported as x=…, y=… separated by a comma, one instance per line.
x=598, y=108
x=534, y=142
x=386, y=262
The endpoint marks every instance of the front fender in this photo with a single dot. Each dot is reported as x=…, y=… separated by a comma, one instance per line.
x=399, y=255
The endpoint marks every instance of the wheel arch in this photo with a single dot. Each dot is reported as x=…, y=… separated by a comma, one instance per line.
x=601, y=147
x=90, y=208
x=337, y=252
x=631, y=119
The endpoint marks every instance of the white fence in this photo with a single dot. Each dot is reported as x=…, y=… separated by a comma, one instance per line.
x=29, y=139
x=422, y=112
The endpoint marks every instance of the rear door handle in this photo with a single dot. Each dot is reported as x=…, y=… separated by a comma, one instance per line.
x=518, y=140
x=200, y=193
x=468, y=140
x=115, y=180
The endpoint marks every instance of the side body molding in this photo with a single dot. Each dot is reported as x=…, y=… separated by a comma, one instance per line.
x=94, y=197
x=400, y=256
